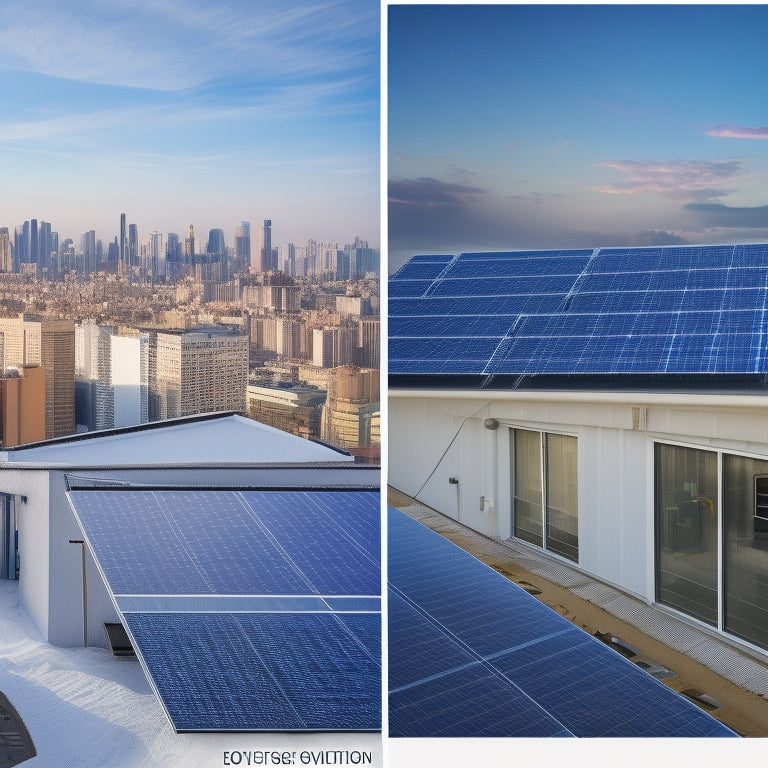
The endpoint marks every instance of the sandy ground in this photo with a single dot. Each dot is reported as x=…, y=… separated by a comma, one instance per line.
x=743, y=711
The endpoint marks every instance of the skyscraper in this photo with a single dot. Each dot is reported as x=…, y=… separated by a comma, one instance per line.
x=6, y=255
x=189, y=246
x=133, y=244
x=216, y=246
x=267, y=258
x=123, y=246
x=197, y=372
x=50, y=343
x=93, y=407
x=242, y=245
x=45, y=245
x=157, y=256
x=34, y=243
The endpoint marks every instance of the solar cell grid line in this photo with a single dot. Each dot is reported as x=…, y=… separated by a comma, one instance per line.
x=340, y=535
x=272, y=672
x=175, y=542
x=448, y=601
x=239, y=661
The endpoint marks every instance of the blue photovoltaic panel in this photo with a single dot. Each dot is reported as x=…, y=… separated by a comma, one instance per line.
x=210, y=542
x=256, y=672
x=473, y=654
x=665, y=310
x=250, y=610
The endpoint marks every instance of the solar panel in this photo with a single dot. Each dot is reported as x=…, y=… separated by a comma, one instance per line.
x=670, y=310
x=473, y=654
x=250, y=610
x=208, y=542
x=245, y=672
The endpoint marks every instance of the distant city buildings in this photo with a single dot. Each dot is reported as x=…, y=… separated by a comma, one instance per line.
x=161, y=326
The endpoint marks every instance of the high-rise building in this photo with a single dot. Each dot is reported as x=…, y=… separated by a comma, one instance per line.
x=268, y=260
x=242, y=247
x=57, y=356
x=133, y=245
x=44, y=245
x=34, y=243
x=216, y=246
x=129, y=379
x=197, y=372
x=189, y=246
x=93, y=391
x=87, y=252
x=369, y=342
x=333, y=346
x=22, y=405
x=121, y=269
x=6, y=253
x=294, y=409
x=50, y=343
x=350, y=414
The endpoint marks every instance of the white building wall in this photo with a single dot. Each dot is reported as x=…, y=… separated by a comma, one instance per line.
x=130, y=379
x=436, y=436
x=66, y=579
x=33, y=526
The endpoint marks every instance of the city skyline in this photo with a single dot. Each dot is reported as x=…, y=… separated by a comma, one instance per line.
x=203, y=113
x=201, y=236
x=574, y=126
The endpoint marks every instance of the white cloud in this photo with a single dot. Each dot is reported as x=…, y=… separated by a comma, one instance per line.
x=739, y=132
x=177, y=44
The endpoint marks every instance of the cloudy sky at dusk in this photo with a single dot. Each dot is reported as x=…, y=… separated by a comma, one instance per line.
x=200, y=112
x=575, y=126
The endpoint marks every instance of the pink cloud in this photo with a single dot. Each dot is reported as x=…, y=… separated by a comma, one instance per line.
x=676, y=178
x=739, y=132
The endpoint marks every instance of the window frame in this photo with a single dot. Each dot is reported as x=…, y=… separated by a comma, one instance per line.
x=543, y=435
x=721, y=456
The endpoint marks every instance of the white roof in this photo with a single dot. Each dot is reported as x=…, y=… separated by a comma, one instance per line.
x=226, y=440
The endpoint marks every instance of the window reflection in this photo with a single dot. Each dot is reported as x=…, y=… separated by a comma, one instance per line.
x=686, y=530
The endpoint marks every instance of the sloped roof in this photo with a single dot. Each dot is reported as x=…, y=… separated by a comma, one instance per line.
x=645, y=312
x=221, y=439
x=473, y=654
x=249, y=610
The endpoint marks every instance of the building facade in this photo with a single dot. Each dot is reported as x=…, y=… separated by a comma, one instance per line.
x=50, y=343
x=605, y=407
x=197, y=372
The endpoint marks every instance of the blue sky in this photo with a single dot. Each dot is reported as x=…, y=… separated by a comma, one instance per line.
x=575, y=126
x=200, y=112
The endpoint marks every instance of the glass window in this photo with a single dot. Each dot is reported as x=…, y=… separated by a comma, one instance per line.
x=527, y=487
x=562, y=496
x=686, y=530
x=549, y=483
x=745, y=548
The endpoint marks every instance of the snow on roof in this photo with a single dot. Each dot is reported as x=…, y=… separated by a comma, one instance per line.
x=222, y=439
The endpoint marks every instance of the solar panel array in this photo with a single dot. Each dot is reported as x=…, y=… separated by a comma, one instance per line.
x=250, y=610
x=676, y=310
x=473, y=654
